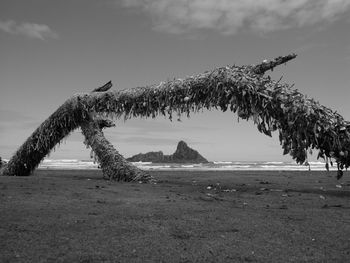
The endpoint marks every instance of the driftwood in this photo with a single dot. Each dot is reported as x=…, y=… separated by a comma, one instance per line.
x=270, y=65
x=104, y=88
x=113, y=164
x=302, y=123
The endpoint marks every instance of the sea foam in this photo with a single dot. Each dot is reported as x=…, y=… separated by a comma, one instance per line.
x=211, y=166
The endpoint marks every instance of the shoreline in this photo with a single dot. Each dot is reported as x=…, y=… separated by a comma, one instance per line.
x=211, y=166
x=197, y=216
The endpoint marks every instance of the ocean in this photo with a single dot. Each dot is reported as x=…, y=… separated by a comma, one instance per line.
x=211, y=166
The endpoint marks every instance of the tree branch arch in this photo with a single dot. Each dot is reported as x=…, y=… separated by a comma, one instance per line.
x=302, y=123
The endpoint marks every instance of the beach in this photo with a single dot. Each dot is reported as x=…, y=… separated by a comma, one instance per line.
x=186, y=216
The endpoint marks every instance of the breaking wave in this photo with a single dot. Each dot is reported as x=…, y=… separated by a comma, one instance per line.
x=211, y=166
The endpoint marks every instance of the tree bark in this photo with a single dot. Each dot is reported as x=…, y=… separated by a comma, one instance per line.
x=302, y=122
x=112, y=163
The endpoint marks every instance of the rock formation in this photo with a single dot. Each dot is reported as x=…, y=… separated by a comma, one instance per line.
x=183, y=154
x=154, y=157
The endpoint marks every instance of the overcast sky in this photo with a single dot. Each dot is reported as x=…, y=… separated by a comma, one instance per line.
x=53, y=49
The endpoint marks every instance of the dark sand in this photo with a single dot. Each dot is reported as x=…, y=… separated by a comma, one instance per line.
x=76, y=216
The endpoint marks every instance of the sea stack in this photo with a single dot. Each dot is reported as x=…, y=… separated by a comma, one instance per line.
x=183, y=154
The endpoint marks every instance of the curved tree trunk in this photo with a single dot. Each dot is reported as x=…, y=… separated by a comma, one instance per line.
x=51, y=132
x=302, y=123
x=113, y=164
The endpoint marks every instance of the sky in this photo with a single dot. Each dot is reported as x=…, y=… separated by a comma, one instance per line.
x=50, y=50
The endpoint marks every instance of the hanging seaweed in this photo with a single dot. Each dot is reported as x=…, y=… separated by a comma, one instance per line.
x=112, y=163
x=302, y=123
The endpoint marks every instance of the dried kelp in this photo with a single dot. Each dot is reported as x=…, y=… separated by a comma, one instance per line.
x=302, y=123
x=51, y=132
x=113, y=164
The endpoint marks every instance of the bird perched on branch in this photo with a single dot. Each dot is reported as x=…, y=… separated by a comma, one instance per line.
x=104, y=88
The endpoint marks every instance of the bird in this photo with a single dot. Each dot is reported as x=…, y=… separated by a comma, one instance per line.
x=104, y=88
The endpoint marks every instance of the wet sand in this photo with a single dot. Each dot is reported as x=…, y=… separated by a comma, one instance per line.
x=240, y=216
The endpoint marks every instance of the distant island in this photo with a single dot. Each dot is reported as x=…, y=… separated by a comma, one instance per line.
x=183, y=154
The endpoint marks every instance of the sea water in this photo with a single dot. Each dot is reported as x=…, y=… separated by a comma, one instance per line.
x=211, y=166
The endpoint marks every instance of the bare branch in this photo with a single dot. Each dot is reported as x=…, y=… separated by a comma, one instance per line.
x=270, y=65
x=104, y=88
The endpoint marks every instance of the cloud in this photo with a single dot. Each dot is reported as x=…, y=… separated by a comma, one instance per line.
x=31, y=30
x=230, y=16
